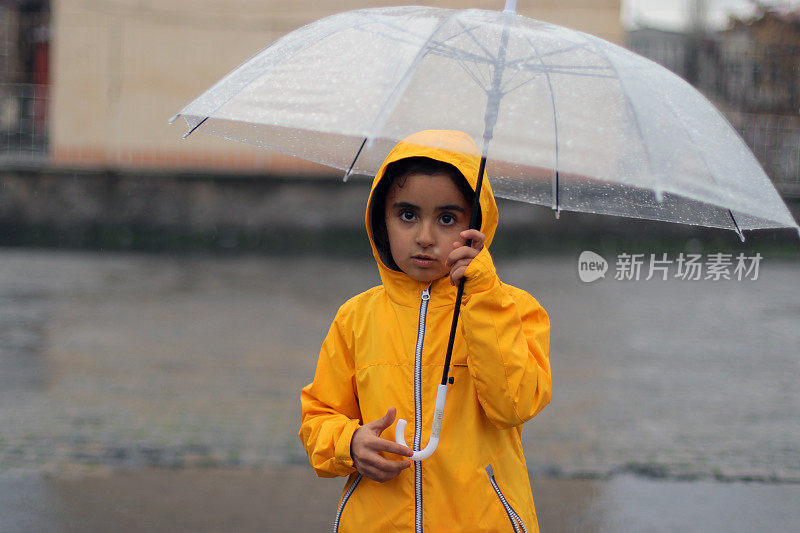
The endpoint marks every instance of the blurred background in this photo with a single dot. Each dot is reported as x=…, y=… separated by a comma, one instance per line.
x=162, y=301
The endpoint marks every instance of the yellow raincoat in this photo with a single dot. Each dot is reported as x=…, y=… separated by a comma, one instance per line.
x=477, y=479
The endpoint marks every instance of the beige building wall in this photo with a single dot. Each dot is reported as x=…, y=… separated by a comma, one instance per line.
x=122, y=68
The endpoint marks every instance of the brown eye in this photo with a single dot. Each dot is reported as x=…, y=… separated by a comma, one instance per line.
x=447, y=219
x=407, y=216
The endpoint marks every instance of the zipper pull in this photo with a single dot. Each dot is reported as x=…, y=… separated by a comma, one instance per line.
x=426, y=294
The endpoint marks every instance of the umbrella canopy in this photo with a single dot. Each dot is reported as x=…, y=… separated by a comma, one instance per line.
x=568, y=120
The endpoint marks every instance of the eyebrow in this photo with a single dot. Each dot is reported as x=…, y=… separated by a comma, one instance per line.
x=448, y=207
x=451, y=207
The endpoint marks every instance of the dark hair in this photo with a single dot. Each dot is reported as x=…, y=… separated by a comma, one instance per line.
x=397, y=172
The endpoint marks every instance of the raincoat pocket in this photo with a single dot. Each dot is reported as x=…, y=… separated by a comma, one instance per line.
x=513, y=517
x=345, y=497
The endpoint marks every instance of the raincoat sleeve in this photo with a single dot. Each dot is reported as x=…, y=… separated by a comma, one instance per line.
x=508, y=337
x=330, y=410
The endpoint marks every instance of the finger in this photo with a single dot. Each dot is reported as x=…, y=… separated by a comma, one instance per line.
x=459, y=268
x=379, y=464
x=473, y=234
x=395, y=467
x=461, y=253
x=381, y=476
x=461, y=264
x=477, y=237
x=392, y=447
x=371, y=472
x=456, y=274
x=384, y=422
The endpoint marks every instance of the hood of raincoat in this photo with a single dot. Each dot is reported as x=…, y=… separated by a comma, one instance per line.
x=449, y=146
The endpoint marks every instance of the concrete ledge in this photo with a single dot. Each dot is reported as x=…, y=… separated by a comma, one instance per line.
x=58, y=207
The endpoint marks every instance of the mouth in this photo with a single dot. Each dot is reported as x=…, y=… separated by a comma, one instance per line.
x=423, y=260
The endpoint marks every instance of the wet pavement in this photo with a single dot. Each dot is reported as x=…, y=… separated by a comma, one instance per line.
x=675, y=402
x=292, y=499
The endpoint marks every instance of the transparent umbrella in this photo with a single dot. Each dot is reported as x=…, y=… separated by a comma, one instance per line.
x=575, y=122
x=567, y=120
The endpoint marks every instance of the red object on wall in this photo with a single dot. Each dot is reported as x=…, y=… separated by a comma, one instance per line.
x=40, y=78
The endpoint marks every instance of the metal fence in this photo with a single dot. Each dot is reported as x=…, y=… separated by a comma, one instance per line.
x=775, y=141
x=754, y=79
x=757, y=87
x=24, y=45
x=23, y=122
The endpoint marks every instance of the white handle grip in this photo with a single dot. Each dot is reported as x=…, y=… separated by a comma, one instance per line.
x=438, y=415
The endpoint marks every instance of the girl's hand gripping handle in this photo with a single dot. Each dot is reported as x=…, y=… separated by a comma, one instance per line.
x=438, y=414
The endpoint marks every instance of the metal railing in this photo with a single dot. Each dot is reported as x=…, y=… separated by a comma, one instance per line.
x=23, y=122
x=758, y=89
x=758, y=79
x=775, y=141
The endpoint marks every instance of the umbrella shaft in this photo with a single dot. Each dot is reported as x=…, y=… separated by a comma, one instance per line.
x=490, y=118
x=476, y=204
x=453, y=328
x=473, y=224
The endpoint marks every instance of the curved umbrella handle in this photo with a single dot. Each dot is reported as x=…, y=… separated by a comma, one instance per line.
x=433, y=442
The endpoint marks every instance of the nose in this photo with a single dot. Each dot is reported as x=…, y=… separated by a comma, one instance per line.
x=425, y=235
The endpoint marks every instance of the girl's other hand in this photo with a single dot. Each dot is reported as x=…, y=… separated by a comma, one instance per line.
x=366, y=445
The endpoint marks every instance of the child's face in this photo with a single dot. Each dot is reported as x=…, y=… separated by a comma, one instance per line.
x=424, y=218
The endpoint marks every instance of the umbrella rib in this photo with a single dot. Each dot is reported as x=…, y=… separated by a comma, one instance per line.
x=489, y=55
x=632, y=110
x=421, y=39
x=350, y=170
x=388, y=24
x=705, y=163
x=574, y=73
x=520, y=84
x=257, y=73
x=554, y=52
x=556, y=206
x=484, y=81
x=576, y=67
x=458, y=52
x=460, y=56
x=450, y=52
x=401, y=84
x=568, y=69
x=479, y=83
x=564, y=50
x=514, y=74
x=386, y=35
x=736, y=225
x=194, y=128
x=629, y=106
x=437, y=48
x=454, y=52
x=524, y=64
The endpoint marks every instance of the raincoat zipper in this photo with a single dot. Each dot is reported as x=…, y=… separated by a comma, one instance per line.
x=423, y=312
x=344, y=502
x=512, y=514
